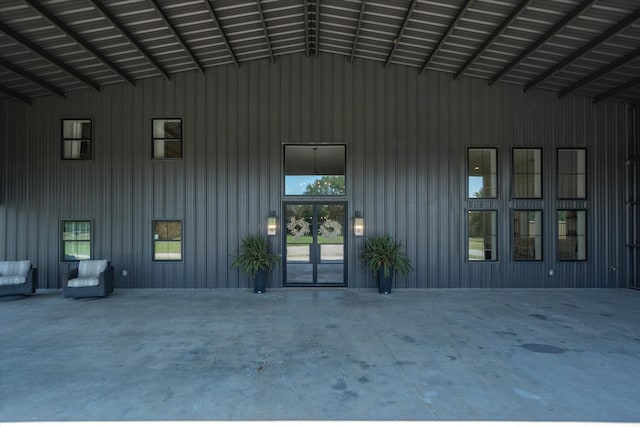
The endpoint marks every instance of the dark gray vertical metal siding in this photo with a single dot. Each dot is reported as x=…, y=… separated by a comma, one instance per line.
x=406, y=134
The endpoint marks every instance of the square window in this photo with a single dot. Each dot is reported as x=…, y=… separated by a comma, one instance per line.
x=527, y=235
x=482, y=232
x=167, y=240
x=76, y=139
x=572, y=173
x=482, y=173
x=572, y=235
x=167, y=138
x=314, y=170
x=527, y=173
x=76, y=240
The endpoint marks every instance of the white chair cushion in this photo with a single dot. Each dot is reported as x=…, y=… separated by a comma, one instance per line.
x=15, y=268
x=83, y=282
x=91, y=268
x=12, y=280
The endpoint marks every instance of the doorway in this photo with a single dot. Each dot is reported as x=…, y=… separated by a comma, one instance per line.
x=314, y=244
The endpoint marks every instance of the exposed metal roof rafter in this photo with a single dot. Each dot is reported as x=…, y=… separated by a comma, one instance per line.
x=616, y=90
x=35, y=4
x=15, y=95
x=213, y=15
x=111, y=18
x=584, y=49
x=505, y=24
x=31, y=77
x=396, y=41
x=175, y=33
x=355, y=39
x=49, y=57
x=266, y=30
x=542, y=40
x=446, y=35
x=317, y=32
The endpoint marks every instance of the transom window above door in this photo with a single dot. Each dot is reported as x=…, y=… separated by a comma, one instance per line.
x=314, y=170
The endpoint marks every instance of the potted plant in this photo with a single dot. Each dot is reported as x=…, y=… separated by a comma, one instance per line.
x=384, y=256
x=256, y=260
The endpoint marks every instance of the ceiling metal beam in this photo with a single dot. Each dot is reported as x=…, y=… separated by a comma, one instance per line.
x=213, y=15
x=505, y=24
x=49, y=57
x=35, y=4
x=599, y=73
x=616, y=90
x=266, y=31
x=542, y=40
x=355, y=40
x=306, y=26
x=446, y=35
x=111, y=18
x=317, y=44
x=15, y=95
x=396, y=41
x=584, y=49
x=175, y=33
x=31, y=77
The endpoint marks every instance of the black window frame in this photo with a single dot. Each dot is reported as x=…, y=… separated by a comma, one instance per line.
x=513, y=174
x=513, y=236
x=586, y=173
x=586, y=236
x=468, y=175
x=310, y=196
x=63, y=241
x=497, y=237
x=154, y=240
x=88, y=154
x=154, y=139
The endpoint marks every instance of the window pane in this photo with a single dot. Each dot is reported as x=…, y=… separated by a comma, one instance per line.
x=76, y=129
x=482, y=173
x=167, y=236
x=76, y=240
x=76, y=139
x=167, y=138
x=315, y=170
x=167, y=128
x=527, y=235
x=527, y=173
x=482, y=236
x=572, y=173
x=572, y=235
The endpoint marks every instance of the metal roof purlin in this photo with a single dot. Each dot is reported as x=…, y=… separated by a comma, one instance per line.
x=35, y=79
x=584, y=49
x=35, y=4
x=545, y=37
x=15, y=95
x=213, y=15
x=49, y=57
x=446, y=35
x=616, y=90
x=111, y=18
x=514, y=14
x=266, y=31
x=305, y=7
x=396, y=41
x=355, y=39
x=317, y=39
x=175, y=33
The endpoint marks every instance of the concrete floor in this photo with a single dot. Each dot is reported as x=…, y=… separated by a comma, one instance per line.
x=322, y=354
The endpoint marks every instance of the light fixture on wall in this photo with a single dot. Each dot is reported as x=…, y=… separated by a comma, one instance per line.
x=272, y=224
x=358, y=224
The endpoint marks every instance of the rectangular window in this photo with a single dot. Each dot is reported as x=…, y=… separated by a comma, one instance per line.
x=76, y=139
x=167, y=240
x=483, y=243
x=167, y=138
x=482, y=173
x=76, y=240
x=527, y=173
x=527, y=235
x=572, y=173
x=314, y=170
x=572, y=235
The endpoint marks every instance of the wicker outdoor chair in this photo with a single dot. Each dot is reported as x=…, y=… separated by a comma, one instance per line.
x=92, y=278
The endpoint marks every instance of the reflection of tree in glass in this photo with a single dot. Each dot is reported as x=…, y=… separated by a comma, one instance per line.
x=169, y=230
x=327, y=185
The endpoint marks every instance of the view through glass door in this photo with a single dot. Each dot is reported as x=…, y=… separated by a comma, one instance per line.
x=314, y=244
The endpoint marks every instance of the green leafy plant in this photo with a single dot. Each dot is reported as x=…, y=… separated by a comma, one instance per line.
x=255, y=255
x=386, y=254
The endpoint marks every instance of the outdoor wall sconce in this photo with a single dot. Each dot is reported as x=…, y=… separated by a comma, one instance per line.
x=358, y=224
x=272, y=224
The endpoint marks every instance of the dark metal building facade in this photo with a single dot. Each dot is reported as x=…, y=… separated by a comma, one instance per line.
x=406, y=134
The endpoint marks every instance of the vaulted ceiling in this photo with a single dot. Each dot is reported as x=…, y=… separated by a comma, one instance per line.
x=583, y=47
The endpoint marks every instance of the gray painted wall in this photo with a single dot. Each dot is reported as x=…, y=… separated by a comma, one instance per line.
x=406, y=135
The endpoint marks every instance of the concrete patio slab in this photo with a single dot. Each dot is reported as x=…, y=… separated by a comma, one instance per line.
x=322, y=354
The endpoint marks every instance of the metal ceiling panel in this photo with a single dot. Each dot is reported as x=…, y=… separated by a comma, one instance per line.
x=486, y=38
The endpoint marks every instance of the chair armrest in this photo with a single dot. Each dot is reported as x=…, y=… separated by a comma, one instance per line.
x=106, y=278
x=32, y=278
x=73, y=274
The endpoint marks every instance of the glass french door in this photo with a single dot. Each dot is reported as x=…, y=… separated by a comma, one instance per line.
x=314, y=244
